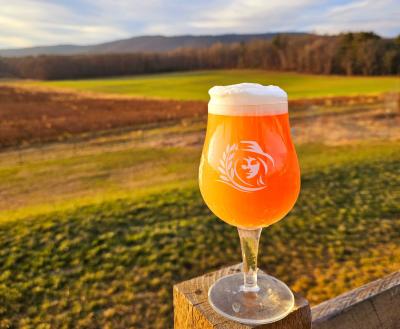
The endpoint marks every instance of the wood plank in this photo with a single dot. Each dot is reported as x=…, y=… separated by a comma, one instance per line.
x=375, y=305
x=192, y=310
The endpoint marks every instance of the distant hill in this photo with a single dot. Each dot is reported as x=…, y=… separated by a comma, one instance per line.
x=156, y=43
x=310, y=53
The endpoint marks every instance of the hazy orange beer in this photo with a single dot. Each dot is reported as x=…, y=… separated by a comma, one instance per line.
x=249, y=174
x=249, y=177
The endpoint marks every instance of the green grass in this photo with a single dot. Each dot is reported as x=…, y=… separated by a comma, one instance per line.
x=71, y=180
x=112, y=265
x=194, y=85
x=94, y=233
x=67, y=175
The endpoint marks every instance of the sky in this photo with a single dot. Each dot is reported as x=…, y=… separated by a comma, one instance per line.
x=25, y=23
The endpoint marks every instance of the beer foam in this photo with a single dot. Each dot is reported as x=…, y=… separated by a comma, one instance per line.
x=247, y=99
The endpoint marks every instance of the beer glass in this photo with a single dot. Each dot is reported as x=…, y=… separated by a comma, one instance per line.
x=249, y=177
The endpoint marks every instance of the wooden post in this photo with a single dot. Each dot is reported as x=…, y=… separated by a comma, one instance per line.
x=192, y=310
x=375, y=305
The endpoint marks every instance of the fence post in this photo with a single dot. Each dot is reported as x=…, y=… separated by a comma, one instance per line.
x=192, y=310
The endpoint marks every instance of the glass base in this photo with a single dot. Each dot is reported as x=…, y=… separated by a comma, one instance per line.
x=271, y=302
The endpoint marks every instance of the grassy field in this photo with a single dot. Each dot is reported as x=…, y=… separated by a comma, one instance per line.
x=112, y=265
x=30, y=116
x=66, y=175
x=99, y=166
x=194, y=85
x=33, y=116
x=96, y=228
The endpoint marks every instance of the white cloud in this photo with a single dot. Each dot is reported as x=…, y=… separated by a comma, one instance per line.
x=42, y=22
x=25, y=23
x=348, y=7
x=256, y=16
x=380, y=16
x=14, y=41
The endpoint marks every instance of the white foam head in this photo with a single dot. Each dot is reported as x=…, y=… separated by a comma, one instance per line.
x=247, y=99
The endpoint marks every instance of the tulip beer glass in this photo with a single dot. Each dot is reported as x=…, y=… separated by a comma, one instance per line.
x=249, y=177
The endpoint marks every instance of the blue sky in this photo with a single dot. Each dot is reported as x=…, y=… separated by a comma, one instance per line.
x=25, y=23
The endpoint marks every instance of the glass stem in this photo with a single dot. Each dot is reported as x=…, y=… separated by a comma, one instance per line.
x=249, y=240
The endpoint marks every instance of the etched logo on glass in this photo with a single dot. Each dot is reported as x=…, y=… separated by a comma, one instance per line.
x=244, y=166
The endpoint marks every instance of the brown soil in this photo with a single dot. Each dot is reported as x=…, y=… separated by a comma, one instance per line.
x=36, y=115
x=28, y=116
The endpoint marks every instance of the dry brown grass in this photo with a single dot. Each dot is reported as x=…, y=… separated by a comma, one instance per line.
x=35, y=114
x=29, y=116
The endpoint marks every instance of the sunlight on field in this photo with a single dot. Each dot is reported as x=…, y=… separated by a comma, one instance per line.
x=122, y=256
x=37, y=187
x=123, y=164
x=96, y=228
x=194, y=85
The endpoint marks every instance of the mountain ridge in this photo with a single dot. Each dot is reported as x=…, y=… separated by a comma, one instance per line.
x=151, y=43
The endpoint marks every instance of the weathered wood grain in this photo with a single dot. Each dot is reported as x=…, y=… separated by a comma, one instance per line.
x=192, y=310
x=375, y=305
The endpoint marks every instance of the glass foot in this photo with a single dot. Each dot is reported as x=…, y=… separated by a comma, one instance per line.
x=272, y=302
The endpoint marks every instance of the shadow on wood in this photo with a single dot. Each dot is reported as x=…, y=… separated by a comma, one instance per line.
x=375, y=305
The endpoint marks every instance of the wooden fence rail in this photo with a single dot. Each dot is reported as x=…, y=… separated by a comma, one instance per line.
x=375, y=305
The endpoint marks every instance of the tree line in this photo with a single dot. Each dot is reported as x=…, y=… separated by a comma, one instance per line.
x=363, y=53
